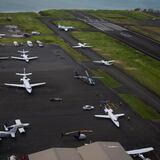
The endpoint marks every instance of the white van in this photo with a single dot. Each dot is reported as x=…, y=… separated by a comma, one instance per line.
x=15, y=43
x=30, y=44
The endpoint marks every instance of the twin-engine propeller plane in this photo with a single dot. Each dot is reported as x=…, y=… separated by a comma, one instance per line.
x=82, y=45
x=107, y=63
x=110, y=115
x=24, y=56
x=26, y=84
x=17, y=124
x=65, y=28
x=139, y=152
x=87, y=78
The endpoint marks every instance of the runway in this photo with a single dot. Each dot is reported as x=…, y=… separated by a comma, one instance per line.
x=133, y=39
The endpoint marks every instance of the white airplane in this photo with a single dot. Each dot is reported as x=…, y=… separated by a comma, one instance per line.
x=2, y=58
x=26, y=84
x=82, y=45
x=107, y=63
x=17, y=124
x=113, y=117
x=65, y=28
x=24, y=56
x=139, y=152
x=11, y=132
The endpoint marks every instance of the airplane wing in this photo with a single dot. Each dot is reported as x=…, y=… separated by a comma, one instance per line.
x=4, y=58
x=20, y=58
x=32, y=58
x=140, y=151
x=101, y=116
x=97, y=61
x=15, y=85
x=76, y=46
x=119, y=115
x=38, y=84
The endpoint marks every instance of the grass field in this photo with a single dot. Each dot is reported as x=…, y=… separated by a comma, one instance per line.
x=59, y=14
x=77, y=24
x=27, y=22
x=122, y=16
x=106, y=79
x=143, y=68
x=140, y=107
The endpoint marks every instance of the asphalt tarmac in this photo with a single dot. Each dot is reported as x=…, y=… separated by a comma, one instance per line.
x=49, y=119
x=133, y=39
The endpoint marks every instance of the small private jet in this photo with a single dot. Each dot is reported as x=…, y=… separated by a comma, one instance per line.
x=26, y=84
x=24, y=56
x=107, y=63
x=17, y=124
x=65, y=28
x=87, y=78
x=2, y=58
x=139, y=152
x=82, y=45
x=11, y=132
x=113, y=117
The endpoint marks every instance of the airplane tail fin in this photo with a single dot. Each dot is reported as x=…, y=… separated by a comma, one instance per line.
x=24, y=74
x=5, y=127
x=87, y=73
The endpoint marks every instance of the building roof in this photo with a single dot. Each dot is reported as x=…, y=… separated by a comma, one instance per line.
x=94, y=151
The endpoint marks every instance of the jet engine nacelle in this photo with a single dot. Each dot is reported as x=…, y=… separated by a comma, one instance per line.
x=28, y=79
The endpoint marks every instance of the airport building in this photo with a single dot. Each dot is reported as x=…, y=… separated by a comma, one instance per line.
x=93, y=151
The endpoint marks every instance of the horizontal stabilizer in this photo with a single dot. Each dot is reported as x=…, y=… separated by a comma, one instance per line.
x=140, y=151
x=101, y=116
x=23, y=74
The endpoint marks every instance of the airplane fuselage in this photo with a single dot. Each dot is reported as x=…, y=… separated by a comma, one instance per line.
x=89, y=80
x=25, y=56
x=112, y=117
x=27, y=84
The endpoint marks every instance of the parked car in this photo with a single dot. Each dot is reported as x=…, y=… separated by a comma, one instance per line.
x=88, y=107
x=35, y=33
x=40, y=44
x=56, y=99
